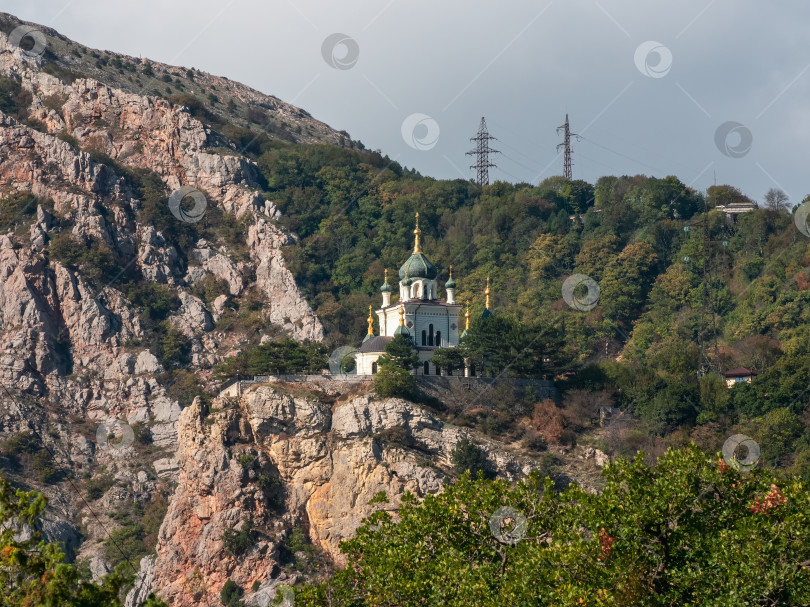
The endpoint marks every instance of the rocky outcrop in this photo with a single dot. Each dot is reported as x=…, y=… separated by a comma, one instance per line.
x=331, y=463
x=143, y=583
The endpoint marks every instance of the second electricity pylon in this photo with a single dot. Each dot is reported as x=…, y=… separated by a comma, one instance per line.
x=482, y=152
x=566, y=145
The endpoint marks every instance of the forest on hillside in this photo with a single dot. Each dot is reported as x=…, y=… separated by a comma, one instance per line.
x=640, y=238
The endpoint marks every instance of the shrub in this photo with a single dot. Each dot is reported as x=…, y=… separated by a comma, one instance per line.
x=155, y=300
x=98, y=485
x=273, y=489
x=534, y=441
x=68, y=138
x=174, y=346
x=143, y=435
x=20, y=205
x=44, y=467
x=236, y=542
x=469, y=457
x=126, y=544
x=396, y=436
x=209, y=288
x=14, y=99
x=231, y=593
x=184, y=387
x=297, y=549
x=92, y=259
x=246, y=460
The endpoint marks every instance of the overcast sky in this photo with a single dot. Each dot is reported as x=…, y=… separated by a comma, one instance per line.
x=691, y=88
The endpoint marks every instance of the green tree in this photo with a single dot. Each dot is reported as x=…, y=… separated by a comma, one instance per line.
x=497, y=344
x=231, y=594
x=394, y=376
x=689, y=531
x=33, y=571
x=448, y=359
x=276, y=358
x=627, y=281
x=469, y=457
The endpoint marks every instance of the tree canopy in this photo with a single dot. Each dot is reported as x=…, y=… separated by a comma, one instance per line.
x=690, y=531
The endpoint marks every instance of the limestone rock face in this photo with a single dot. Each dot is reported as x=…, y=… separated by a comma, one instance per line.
x=331, y=462
x=77, y=343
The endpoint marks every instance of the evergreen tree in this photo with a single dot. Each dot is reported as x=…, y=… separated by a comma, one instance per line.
x=394, y=377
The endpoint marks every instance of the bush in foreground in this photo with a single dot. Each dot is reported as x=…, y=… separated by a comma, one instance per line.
x=690, y=531
x=33, y=571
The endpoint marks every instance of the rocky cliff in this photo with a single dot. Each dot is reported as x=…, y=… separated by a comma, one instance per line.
x=74, y=158
x=326, y=461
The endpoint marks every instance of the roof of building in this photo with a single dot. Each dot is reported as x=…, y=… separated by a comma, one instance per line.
x=402, y=330
x=450, y=284
x=375, y=344
x=418, y=266
x=385, y=288
x=740, y=372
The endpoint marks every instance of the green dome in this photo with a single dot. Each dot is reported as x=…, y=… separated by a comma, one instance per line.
x=402, y=330
x=385, y=288
x=418, y=266
x=486, y=313
x=450, y=284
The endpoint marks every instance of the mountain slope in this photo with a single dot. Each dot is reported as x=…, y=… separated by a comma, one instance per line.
x=220, y=100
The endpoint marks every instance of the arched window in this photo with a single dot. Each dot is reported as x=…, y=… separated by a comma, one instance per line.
x=424, y=337
x=430, y=335
x=450, y=371
x=374, y=368
x=438, y=339
x=472, y=370
x=426, y=368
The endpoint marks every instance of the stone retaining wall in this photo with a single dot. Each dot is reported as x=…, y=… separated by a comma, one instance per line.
x=433, y=385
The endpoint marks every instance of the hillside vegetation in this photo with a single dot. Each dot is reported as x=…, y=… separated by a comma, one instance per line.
x=640, y=238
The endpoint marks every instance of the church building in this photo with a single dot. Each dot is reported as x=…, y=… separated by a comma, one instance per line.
x=419, y=314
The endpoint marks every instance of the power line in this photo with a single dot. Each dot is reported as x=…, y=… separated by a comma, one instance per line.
x=599, y=145
x=481, y=153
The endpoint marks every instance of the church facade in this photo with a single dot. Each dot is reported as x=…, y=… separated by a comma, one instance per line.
x=428, y=321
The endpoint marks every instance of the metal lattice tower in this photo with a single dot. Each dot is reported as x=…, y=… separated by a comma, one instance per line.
x=482, y=152
x=566, y=145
